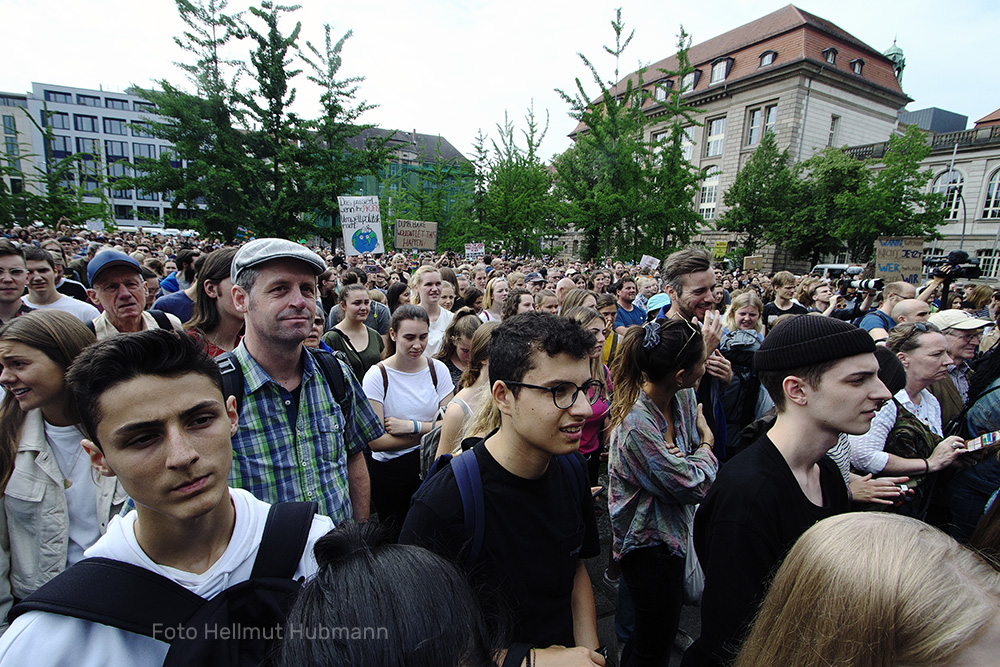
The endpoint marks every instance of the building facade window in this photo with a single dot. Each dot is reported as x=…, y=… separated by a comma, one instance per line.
x=687, y=143
x=88, y=100
x=12, y=151
x=144, y=150
x=143, y=106
x=950, y=185
x=139, y=129
x=767, y=58
x=10, y=101
x=116, y=149
x=991, y=210
x=55, y=96
x=59, y=146
x=124, y=212
x=857, y=65
x=760, y=121
x=111, y=103
x=85, y=123
x=716, y=136
x=834, y=131
x=719, y=72
x=690, y=81
x=830, y=55
x=114, y=126
x=91, y=148
x=709, y=193
x=56, y=119
x=9, y=125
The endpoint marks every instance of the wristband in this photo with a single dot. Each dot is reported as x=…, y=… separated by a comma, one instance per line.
x=927, y=467
x=416, y=426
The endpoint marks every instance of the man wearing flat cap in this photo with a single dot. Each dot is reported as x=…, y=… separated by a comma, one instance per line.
x=295, y=441
x=823, y=377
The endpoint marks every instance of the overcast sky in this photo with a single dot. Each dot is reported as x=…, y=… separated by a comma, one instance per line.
x=453, y=67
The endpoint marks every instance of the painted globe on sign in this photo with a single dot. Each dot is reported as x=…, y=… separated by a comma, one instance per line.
x=365, y=240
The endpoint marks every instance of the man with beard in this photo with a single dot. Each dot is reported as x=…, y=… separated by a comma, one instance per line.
x=182, y=278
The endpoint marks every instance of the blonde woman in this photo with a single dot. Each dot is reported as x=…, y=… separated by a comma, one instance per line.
x=425, y=290
x=744, y=313
x=474, y=391
x=868, y=589
x=493, y=300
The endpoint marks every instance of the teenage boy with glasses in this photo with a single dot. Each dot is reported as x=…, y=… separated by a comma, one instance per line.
x=538, y=515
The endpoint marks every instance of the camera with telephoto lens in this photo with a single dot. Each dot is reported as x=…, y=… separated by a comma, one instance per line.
x=959, y=263
x=872, y=284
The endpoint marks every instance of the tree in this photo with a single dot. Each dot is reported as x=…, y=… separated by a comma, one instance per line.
x=331, y=164
x=759, y=199
x=626, y=195
x=515, y=204
x=897, y=202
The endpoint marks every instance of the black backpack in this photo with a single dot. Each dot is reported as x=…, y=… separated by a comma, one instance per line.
x=242, y=625
x=331, y=365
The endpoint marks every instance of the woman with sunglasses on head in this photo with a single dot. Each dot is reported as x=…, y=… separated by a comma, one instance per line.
x=661, y=465
x=906, y=435
x=52, y=508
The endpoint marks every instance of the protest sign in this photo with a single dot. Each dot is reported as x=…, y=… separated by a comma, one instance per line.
x=361, y=223
x=416, y=235
x=649, y=263
x=899, y=258
x=474, y=250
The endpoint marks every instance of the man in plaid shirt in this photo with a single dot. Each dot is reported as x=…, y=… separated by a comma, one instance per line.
x=294, y=442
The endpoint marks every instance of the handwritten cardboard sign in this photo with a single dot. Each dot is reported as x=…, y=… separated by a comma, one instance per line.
x=416, y=235
x=899, y=258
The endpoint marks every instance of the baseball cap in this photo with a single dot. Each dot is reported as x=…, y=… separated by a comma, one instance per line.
x=956, y=319
x=259, y=251
x=534, y=277
x=107, y=259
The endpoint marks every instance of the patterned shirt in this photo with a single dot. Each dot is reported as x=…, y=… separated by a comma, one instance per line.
x=652, y=493
x=277, y=461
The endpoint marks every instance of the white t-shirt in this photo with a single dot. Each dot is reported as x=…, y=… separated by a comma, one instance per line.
x=79, y=309
x=410, y=396
x=435, y=334
x=81, y=496
x=41, y=639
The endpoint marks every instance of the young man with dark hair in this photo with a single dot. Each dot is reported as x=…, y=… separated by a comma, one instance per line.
x=784, y=289
x=538, y=516
x=42, y=292
x=629, y=314
x=823, y=377
x=13, y=278
x=152, y=408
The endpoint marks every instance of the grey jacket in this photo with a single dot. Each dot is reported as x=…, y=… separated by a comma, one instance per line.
x=34, y=522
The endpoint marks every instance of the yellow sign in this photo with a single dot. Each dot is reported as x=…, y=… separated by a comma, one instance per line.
x=720, y=249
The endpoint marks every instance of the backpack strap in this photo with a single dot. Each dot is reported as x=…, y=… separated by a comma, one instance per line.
x=232, y=378
x=434, y=375
x=470, y=488
x=572, y=467
x=114, y=593
x=333, y=371
x=285, y=536
x=161, y=318
x=385, y=381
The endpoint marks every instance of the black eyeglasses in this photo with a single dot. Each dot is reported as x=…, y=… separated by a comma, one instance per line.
x=564, y=394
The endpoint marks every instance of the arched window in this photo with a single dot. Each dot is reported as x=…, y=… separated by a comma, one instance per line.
x=992, y=208
x=950, y=184
x=709, y=193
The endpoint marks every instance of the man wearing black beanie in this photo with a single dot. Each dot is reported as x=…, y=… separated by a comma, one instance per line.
x=822, y=375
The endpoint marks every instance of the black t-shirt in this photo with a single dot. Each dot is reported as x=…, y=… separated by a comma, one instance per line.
x=772, y=312
x=73, y=289
x=535, y=536
x=749, y=520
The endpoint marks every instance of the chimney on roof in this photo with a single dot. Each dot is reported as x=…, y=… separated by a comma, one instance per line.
x=413, y=137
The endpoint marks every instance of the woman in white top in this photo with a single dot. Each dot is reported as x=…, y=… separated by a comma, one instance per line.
x=493, y=300
x=406, y=391
x=425, y=288
x=52, y=507
x=923, y=350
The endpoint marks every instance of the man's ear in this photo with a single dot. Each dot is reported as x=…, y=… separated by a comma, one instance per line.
x=234, y=415
x=92, y=295
x=97, y=460
x=795, y=390
x=240, y=299
x=211, y=288
x=502, y=397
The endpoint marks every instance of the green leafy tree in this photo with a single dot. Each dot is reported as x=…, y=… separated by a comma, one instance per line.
x=516, y=205
x=208, y=177
x=760, y=197
x=897, y=201
x=627, y=195
x=330, y=163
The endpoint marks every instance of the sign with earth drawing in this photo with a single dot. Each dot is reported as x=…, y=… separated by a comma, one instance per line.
x=361, y=222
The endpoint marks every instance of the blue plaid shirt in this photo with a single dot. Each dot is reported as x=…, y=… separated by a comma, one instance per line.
x=276, y=460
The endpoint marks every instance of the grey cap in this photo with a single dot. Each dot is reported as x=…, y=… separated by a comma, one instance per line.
x=259, y=251
x=534, y=277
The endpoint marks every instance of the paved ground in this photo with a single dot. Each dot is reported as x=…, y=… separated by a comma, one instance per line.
x=605, y=599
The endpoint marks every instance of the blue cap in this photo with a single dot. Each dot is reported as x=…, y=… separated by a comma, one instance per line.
x=657, y=301
x=106, y=259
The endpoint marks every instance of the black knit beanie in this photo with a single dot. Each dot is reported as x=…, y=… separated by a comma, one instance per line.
x=891, y=371
x=807, y=340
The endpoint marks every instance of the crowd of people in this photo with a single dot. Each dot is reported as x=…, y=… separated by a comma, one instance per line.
x=426, y=444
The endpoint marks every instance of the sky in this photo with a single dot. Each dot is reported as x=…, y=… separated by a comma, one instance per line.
x=455, y=68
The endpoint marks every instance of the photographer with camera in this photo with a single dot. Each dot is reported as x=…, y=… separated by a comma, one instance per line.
x=825, y=299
